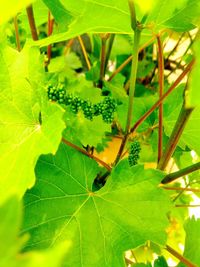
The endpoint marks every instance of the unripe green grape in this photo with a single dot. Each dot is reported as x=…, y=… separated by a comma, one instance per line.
x=108, y=108
x=87, y=109
x=76, y=104
x=134, y=152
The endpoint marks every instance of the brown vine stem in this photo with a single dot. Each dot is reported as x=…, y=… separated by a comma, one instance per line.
x=187, y=206
x=68, y=46
x=128, y=60
x=179, y=257
x=17, y=33
x=195, y=190
x=180, y=193
x=84, y=52
x=178, y=80
x=175, y=136
x=176, y=46
x=179, y=59
x=31, y=21
x=161, y=90
x=175, y=175
x=104, y=164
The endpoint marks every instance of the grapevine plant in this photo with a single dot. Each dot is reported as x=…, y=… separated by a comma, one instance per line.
x=99, y=133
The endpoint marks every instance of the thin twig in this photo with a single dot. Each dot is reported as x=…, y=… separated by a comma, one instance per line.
x=176, y=46
x=67, y=47
x=179, y=59
x=175, y=175
x=174, y=85
x=17, y=33
x=161, y=90
x=179, y=257
x=84, y=52
x=128, y=60
x=175, y=136
x=180, y=193
x=187, y=206
x=31, y=21
x=104, y=164
x=194, y=190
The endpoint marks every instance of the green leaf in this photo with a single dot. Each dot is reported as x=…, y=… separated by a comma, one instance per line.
x=29, y=124
x=11, y=245
x=172, y=107
x=100, y=225
x=92, y=16
x=141, y=105
x=178, y=15
x=86, y=131
x=193, y=93
x=160, y=262
x=192, y=241
x=40, y=14
x=142, y=265
x=64, y=63
x=10, y=8
x=61, y=15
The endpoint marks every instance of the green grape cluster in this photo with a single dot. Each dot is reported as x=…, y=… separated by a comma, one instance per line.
x=87, y=109
x=105, y=108
x=108, y=109
x=134, y=153
x=56, y=93
x=76, y=104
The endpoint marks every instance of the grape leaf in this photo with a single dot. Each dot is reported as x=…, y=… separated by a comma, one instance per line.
x=178, y=15
x=10, y=8
x=192, y=241
x=160, y=262
x=65, y=63
x=62, y=16
x=40, y=14
x=29, y=124
x=191, y=133
x=11, y=245
x=91, y=16
x=87, y=132
x=141, y=105
x=193, y=93
x=142, y=265
x=100, y=225
x=172, y=107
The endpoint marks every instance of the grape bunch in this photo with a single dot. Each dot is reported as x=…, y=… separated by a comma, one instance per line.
x=134, y=153
x=108, y=108
x=56, y=93
x=105, y=108
x=52, y=93
x=87, y=109
x=76, y=104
